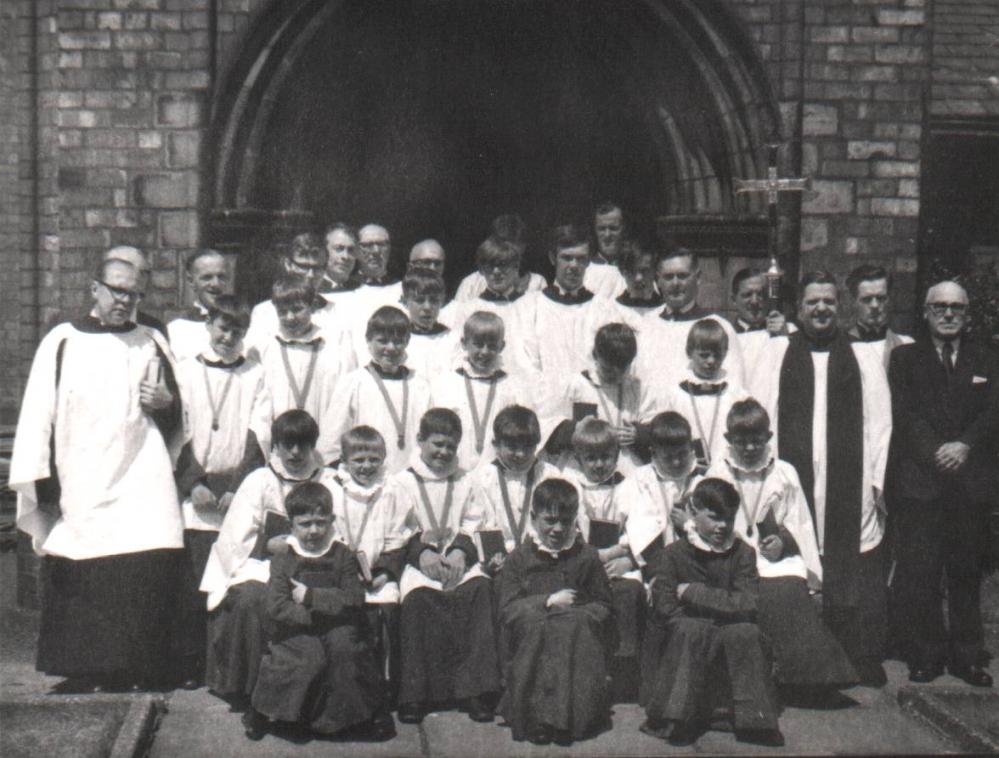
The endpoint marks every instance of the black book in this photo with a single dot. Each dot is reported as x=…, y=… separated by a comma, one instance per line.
x=604, y=533
x=491, y=542
x=768, y=525
x=582, y=410
x=275, y=524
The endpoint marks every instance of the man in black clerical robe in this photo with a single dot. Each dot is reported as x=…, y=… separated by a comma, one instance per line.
x=831, y=405
x=93, y=472
x=943, y=475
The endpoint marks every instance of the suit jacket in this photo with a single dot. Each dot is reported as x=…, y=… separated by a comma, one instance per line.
x=928, y=412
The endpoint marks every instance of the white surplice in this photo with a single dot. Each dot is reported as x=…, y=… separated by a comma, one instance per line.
x=474, y=285
x=604, y=280
x=489, y=494
x=651, y=498
x=114, y=467
x=706, y=414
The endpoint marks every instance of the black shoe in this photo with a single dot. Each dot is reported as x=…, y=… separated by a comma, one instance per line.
x=872, y=673
x=924, y=674
x=410, y=713
x=658, y=729
x=478, y=711
x=382, y=727
x=562, y=738
x=766, y=737
x=683, y=734
x=254, y=724
x=976, y=676
x=540, y=734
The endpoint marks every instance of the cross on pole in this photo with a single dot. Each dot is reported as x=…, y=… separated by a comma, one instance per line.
x=773, y=185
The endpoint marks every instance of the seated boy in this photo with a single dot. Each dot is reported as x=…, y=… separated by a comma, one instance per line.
x=774, y=519
x=302, y=363
x=239, y=563
x=448, y=643
x=305, y=257
x=657, y=492
x=319, y=670
x=705, y=392
x=703, y=640
x=609, y=391
x=384, y=394
x=479, y=387
x=504, y=487
x=499, y=264
x=226, y=406
x=601, y=520
x=555, y=607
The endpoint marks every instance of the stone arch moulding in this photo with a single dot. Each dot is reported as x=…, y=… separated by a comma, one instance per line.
x=741, y=107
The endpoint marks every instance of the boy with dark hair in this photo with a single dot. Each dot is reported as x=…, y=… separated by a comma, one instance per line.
x=657, y=492
x=319, y=670
x=608, y=390
x=774, y=519
x=383, y=394
x=703, y=632
x=303, y=361
x=505, y=486
x=705, y=392
x=239, y=563
x=227, y=410
x=555, y=607
x=507, y=229
x=637, y=264
x=443, y=661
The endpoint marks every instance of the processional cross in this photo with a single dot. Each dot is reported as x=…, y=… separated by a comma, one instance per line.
x=773, y=186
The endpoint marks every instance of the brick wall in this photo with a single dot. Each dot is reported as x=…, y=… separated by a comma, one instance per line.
x=965, y=68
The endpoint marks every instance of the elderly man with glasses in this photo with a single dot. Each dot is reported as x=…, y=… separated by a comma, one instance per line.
x=943, y=476
x=93, y=470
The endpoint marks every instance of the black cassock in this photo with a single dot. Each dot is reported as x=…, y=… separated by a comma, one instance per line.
x=555, y=659
x=320, y=669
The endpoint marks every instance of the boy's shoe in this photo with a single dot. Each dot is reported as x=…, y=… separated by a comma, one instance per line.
x=766, y=737
x=684, y=734
x=254, y=724
x=382, y=727
x=540, y=734
x=478, y=710
x=411, y=713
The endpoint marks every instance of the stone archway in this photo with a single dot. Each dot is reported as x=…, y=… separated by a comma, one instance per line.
x=435, y=115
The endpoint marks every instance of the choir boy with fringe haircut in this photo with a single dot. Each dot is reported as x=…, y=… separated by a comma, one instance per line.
x=239, y=563
x=504, y=486
x=556, y=613
x=608, y=390
x=706, y=392
x=499, y=264
x=384, y=394
x=601, y=519
x=704, y=648
x=637, y=264
x=302, y=363
x=226, y=406
x=448, y=642
x=305, y=257
x=507, y=227
x=566, y=315
x=319, y=670
x=479, y=387
x=208, y=278
x=657, y=492
x=773, y=518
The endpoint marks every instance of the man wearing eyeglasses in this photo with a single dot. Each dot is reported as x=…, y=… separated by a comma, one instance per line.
x=944, y=475
x=92, y=467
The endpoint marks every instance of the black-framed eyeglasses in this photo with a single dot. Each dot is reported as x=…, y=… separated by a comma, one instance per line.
x=306, y=267
x=940, y=309
x=119, y=293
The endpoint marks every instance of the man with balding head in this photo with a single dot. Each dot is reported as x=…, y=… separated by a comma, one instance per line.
x=428, y=254
x=93, y=470
x=944, y=475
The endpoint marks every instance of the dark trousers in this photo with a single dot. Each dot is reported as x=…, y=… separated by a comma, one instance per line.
x=862, y=628
x=191, y=621
x=941, y=544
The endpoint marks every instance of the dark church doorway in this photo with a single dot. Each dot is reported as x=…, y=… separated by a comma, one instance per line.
x=431, y=117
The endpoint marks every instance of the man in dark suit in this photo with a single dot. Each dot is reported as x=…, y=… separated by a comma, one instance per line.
x=944, y=476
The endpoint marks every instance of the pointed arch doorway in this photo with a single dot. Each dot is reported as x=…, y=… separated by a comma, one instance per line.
x=434, y=116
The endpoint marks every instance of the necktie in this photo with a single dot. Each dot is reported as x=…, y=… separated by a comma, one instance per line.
x=947, y=353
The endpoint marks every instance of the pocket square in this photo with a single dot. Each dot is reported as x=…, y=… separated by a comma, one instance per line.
x=979, y=379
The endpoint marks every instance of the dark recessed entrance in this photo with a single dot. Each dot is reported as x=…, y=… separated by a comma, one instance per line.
x=434, y=116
